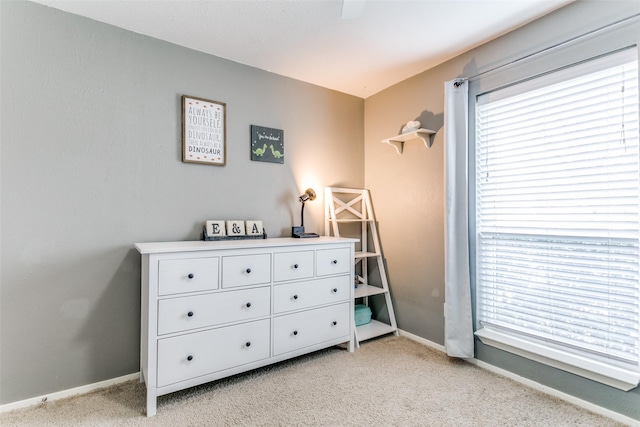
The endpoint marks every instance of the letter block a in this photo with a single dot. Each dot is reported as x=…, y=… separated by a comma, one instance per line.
x=254, y=228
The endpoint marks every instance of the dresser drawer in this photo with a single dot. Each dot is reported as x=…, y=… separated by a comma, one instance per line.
x=292, y=265
x=333, y=261
x=244, y=270
x=299, y=295
x=201, y=353
x=295, y=331
x=198, y=311
x=187, y=275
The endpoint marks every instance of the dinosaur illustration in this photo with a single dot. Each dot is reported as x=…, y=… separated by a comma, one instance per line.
x=276, y=153
x=260, y=151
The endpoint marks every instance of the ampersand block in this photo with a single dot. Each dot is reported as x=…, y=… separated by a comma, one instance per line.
x=235, y=228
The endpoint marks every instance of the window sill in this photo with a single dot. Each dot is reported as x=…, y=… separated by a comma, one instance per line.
x=620, y=378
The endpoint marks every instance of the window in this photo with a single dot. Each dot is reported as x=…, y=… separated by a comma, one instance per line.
x=557, y=219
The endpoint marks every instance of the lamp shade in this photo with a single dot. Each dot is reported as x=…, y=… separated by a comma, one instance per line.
x=309, y=194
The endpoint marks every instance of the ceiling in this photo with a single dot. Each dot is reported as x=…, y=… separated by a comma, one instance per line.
x=361, y=50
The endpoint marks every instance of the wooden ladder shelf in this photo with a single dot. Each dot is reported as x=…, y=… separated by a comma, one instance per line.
x=345, y=206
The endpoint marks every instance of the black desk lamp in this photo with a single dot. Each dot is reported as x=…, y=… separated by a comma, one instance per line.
x=309, y=194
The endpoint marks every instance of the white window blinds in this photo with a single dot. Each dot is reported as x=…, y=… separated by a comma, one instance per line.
x=557, y=213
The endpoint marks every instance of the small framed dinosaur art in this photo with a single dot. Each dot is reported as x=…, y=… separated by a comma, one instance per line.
x=267, y=145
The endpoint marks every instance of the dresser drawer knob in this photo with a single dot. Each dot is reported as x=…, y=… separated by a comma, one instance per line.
x=335, y=261
x=295, y=332
x=334, y=323
x=190, y=276
x=248, y=270
x=248, y=304
x=248, y=344
x=295, y=297
x=190, y=314
x=295, y=265
x=189, y=358
x=334, y=290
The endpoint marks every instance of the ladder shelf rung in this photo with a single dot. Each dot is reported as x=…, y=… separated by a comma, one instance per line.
x=362, y=291
x=365, y=254
x=373, y=329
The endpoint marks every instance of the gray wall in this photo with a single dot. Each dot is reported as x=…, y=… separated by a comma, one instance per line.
x=408, y=189
x=91, y=164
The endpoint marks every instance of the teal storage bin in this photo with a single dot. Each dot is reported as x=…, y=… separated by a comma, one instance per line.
x=362, y=314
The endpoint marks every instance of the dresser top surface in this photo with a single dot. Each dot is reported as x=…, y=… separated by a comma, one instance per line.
x=200, y=245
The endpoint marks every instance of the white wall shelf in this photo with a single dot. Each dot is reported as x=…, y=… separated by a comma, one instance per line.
x=398, y=141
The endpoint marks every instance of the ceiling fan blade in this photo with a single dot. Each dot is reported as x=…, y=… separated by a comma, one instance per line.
x=352, y=9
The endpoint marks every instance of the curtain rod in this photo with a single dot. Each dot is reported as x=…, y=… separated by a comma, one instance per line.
x=458, y=82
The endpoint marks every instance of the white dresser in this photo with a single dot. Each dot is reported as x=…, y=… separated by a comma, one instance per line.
x=214, y=309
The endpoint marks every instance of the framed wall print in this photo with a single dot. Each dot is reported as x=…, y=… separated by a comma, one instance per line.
x=204, y=131
x=267, y=145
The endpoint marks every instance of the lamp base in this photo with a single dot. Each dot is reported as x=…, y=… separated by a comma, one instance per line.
x=299, y=233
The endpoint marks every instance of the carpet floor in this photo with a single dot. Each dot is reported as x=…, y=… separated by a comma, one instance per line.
x=391, y=381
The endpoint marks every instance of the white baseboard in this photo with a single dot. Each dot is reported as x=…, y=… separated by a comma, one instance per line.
x=422, y=341
x=66, y=393
x=534, y=385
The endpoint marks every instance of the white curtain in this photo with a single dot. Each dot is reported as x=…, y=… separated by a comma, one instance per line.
x=458, y=317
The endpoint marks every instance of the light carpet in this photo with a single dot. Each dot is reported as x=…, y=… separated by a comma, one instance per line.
x=391, y=381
